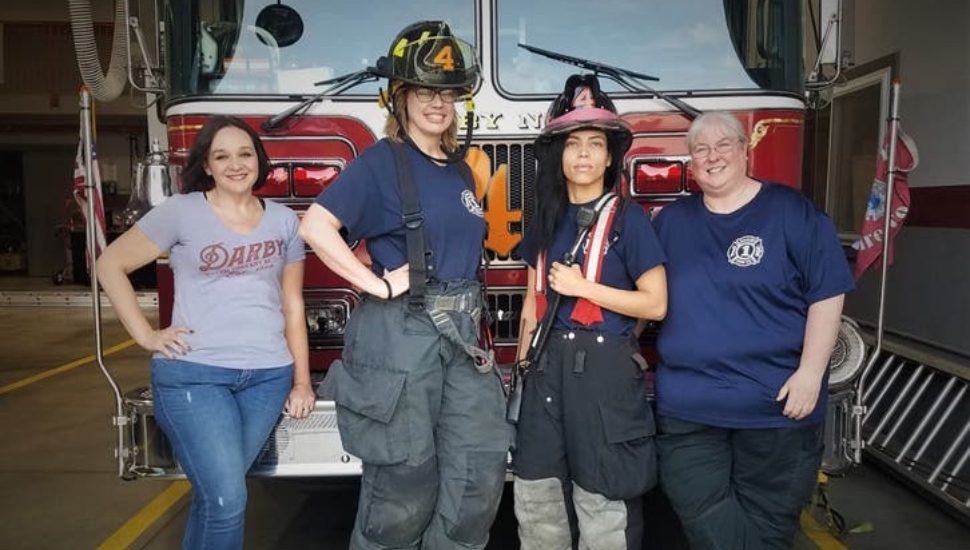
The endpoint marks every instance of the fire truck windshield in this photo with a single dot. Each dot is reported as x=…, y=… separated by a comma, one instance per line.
x=690, y=45
x=282, y=47
x=252, y=47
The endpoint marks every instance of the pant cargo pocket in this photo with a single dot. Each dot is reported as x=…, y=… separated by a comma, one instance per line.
x=370, y=416
x=628, y=463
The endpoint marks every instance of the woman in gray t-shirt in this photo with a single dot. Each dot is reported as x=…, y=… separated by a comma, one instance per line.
x=236, y=352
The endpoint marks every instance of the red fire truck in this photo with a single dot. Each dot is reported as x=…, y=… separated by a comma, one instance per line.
x=262, y=60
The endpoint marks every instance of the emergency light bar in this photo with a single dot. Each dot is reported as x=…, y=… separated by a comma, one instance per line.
x=658, y=177
x=309, y=181
x=277, y=183
x=299, y=179
x=662, y=176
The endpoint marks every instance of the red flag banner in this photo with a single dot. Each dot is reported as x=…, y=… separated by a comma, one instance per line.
x=870, y=241
x=80, y=195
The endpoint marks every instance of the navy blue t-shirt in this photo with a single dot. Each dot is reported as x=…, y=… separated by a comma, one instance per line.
x=633, y=250
x=739, y=286
x=367, y=201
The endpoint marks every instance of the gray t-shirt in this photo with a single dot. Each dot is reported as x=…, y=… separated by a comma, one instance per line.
x=227, y=285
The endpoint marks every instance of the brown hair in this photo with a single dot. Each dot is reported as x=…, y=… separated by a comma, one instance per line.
x=194, y=177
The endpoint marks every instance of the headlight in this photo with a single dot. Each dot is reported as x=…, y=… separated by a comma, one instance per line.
x=327, y=312
x=848, y=355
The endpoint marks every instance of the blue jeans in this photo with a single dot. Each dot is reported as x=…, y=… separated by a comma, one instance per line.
x=217, y=420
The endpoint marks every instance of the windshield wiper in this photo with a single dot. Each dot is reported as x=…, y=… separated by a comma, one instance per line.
x=336, y=86
x=630, y=80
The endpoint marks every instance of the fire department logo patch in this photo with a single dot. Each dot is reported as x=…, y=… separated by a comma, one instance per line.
x=746, y=251
x=471, y=203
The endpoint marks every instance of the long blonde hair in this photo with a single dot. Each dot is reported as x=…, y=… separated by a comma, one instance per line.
x=399, y=105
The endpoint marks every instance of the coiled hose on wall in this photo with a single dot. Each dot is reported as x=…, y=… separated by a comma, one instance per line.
x=103, y=86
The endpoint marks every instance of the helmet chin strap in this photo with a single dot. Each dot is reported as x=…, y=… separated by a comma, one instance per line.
x=450, y=158
x=469, y=122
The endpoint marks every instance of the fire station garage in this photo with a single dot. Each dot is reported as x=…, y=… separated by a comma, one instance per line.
x=821, y=86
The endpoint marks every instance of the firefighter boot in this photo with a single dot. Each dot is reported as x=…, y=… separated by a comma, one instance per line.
x=540, y=508
x=607, y=524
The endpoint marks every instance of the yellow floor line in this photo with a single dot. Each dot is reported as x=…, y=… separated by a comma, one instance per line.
x=819, y=534
x=63, y=368
x=140, y=522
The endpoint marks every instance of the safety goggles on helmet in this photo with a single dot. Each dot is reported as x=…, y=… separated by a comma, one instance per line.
x=428, y=55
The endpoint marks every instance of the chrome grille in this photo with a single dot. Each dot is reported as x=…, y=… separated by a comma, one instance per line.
x=505, y=306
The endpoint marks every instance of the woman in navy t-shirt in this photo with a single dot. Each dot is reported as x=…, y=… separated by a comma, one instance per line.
x=756, y=278
x=585, y=427
x=424, y=417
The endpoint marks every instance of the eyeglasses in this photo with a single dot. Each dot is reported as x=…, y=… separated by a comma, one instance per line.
x=722, y=147
x=447, y=95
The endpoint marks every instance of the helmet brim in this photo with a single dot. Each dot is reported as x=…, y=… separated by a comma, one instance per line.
x=592, y=117
x=617, y=130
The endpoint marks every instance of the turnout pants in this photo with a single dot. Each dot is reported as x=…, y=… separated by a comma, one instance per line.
x=429, y=428
x=585, y=434
x=738, y=489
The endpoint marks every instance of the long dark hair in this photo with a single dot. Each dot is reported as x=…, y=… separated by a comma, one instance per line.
x=194, y=177
x=550, y=191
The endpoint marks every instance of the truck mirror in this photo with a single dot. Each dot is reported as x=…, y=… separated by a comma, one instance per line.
x=282, y=22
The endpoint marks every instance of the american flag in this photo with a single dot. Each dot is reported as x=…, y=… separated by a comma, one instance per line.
x=80, y=195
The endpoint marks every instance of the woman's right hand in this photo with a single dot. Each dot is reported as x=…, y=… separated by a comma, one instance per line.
x=167, y=341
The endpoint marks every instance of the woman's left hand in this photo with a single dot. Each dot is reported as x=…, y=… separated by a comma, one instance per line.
x=301, y=401
x=568, y=281
x=399, y=279
x=800, y=393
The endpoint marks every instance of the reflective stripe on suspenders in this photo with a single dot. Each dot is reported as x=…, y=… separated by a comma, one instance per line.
x=584, y=311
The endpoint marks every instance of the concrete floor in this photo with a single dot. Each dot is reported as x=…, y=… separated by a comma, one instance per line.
x=58, y=481
x=59, y=488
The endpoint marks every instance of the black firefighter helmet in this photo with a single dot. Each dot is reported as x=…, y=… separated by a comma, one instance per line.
x=427, y=54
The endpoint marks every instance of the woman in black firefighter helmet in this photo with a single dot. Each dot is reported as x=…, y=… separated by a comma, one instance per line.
x=585, y=427
x=418, y=400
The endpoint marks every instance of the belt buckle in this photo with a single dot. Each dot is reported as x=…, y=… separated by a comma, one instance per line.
x=461, y=303
x=444, y=303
